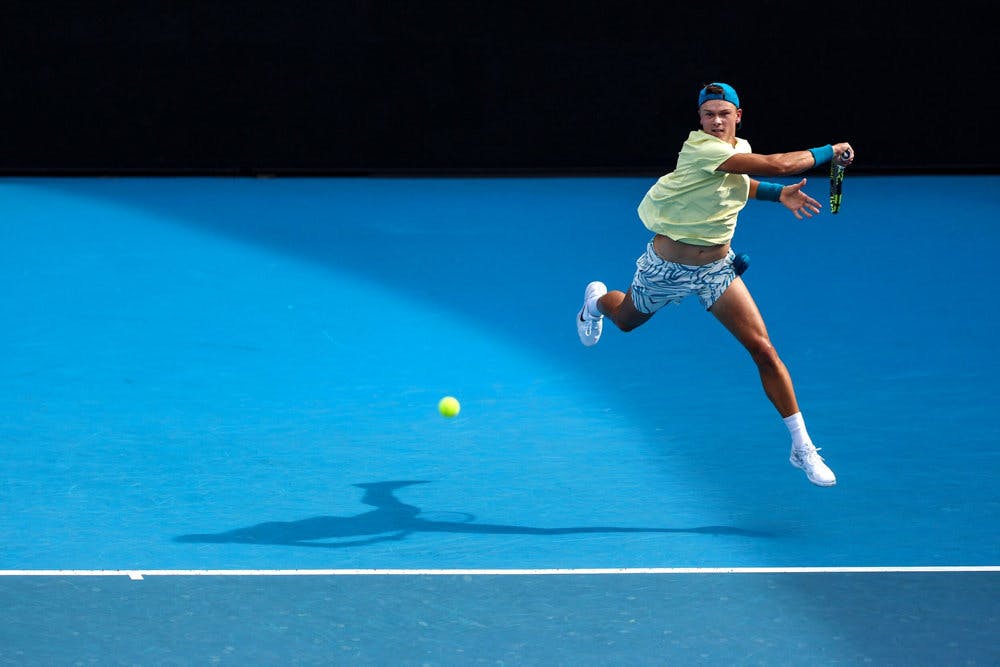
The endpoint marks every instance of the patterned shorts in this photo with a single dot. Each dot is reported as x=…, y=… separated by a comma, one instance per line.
x=658, y=282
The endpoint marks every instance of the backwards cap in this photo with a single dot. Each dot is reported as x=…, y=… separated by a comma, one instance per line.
x=728, y=94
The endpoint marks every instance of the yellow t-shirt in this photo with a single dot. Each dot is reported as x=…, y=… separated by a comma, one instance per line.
x=695, y=203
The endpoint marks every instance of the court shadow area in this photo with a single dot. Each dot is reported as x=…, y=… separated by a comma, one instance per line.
x=392, y=519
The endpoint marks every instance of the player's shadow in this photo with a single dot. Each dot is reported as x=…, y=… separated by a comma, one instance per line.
x=393, y=519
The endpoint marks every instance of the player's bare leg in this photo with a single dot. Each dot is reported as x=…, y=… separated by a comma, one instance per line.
x=619, y=308
x=738, y=312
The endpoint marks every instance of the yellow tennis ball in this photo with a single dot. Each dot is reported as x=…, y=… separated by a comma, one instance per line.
x=449, y=406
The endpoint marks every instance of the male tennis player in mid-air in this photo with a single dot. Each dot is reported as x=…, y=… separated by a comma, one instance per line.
x=692, y=213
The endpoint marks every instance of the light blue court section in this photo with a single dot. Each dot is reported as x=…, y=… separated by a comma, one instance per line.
x=238, y=373
x=731, y=619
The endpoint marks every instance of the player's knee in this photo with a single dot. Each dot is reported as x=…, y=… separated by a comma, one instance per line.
x=628, y=323
x=763, y=353
x=625, y=327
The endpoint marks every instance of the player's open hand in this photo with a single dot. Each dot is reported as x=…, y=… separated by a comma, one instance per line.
x=797, y=201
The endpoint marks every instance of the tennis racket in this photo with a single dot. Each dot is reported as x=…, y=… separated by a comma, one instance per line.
x=837, y=170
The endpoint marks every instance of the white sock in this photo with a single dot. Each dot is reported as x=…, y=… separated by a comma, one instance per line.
x=797, y=427
x=592, y=308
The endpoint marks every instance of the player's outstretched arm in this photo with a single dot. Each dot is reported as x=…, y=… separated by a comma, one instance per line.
x=786, y=164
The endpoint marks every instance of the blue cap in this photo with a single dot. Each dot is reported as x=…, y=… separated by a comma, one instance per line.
x=728, y=94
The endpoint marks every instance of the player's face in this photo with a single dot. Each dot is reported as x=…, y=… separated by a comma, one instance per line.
x=719, y=118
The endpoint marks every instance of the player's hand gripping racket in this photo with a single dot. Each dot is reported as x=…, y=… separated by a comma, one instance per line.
x=837, y=170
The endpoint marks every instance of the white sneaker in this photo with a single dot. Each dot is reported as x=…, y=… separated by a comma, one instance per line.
x=588, y=327
x=807, y=458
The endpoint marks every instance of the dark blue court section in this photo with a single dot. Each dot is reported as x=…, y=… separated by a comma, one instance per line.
x=240, y=373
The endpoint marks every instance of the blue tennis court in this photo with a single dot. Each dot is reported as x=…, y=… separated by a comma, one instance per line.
x=221, y=441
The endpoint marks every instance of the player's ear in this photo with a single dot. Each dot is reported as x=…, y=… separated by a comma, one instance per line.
x=739, y=118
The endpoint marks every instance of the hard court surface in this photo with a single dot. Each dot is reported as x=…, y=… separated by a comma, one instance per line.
x=221, y=445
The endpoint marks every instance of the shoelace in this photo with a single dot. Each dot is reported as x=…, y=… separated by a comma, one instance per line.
x=810, y=451
x=590, y=324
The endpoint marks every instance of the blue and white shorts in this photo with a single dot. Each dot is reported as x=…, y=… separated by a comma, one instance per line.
x=658, y=282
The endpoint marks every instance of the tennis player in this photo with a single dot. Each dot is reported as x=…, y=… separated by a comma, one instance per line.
x=692, y=213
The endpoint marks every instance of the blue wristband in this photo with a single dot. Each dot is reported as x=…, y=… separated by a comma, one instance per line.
x=769, y=191
x=822, y=154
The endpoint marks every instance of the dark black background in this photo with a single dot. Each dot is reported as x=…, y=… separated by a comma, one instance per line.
x=309, y=86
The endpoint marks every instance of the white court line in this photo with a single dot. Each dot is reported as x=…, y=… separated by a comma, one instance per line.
x=140, y=574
